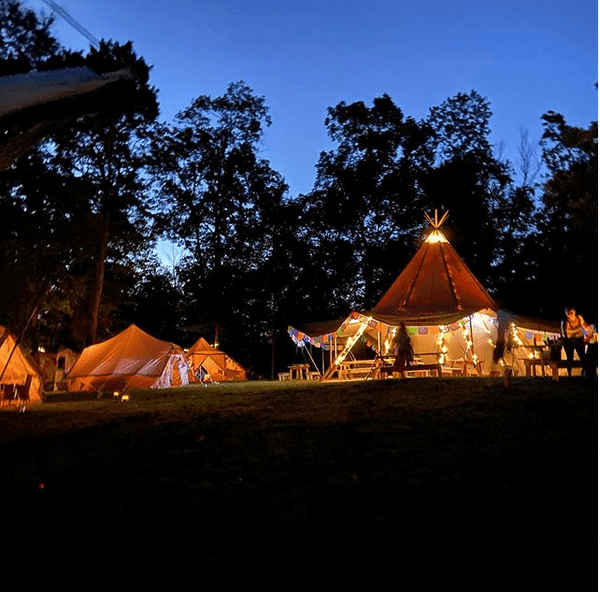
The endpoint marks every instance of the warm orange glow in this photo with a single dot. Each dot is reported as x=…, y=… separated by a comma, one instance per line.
x=350, y=343
x=436, y=237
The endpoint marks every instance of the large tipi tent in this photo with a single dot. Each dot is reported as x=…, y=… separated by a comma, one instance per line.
x=132, y=359
x=449, y=315
x=17, y=369
x=436, y=285
x=213, y=364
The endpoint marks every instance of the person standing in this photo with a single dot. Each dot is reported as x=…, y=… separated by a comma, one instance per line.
x=403, y=350
x=572, y=332
x=591, y=350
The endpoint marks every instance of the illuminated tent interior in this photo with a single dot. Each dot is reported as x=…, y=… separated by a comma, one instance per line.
x=18, y=372
x=212, y=364
x=132, y=359
x=449, y=315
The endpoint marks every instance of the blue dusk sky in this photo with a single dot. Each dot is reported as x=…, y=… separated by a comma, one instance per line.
x=525, y=57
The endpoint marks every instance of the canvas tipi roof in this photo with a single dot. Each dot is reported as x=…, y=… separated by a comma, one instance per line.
x=131, y=359
x=18, y=369
x=435, y=283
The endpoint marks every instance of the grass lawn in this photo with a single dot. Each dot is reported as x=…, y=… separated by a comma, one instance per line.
x=312, y=486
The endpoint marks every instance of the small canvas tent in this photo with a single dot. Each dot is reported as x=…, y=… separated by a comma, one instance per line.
x=132, y=359
x=18, y=372
x=449, y=315
x=213, y=365
x=54, y=366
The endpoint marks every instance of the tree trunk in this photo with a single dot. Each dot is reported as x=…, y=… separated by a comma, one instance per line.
x=97, y=287
x=273, y=355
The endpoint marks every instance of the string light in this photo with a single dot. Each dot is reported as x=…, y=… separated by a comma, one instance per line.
x=441, y=344
x=352, y=341
x=387, y=344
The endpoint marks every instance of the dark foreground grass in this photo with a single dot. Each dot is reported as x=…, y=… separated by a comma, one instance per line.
x=460, y=482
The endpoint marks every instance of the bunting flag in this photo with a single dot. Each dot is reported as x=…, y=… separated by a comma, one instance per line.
x=325, y=342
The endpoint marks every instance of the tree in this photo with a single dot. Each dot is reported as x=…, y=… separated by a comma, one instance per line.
x=516, y=214
x=32, y=230
x=26, y=40
x=73, y=203
x=220, y=201
x=468, y=180
x=103, y=155
x=568, y=257
x=359, y=220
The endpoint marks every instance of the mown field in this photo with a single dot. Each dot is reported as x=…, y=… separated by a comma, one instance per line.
x=462, y=482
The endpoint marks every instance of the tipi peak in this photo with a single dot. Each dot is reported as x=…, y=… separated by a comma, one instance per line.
x=435, y=223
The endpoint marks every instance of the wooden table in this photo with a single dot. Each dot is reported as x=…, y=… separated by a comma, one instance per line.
x=298, y=371
x=539, y=359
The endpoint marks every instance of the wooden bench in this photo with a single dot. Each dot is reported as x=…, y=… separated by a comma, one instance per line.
x=554, y=365
x=350, y=369
x=425, y=368
x=452, y=371
x=351, y=373
x=413, y=368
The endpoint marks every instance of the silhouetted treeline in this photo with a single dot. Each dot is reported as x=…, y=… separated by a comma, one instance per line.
x=81, y=212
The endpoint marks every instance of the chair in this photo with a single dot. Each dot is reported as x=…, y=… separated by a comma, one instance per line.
x=23, y=390
x=8, y=393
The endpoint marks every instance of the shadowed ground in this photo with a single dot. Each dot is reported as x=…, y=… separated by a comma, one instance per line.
x=312, y=485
